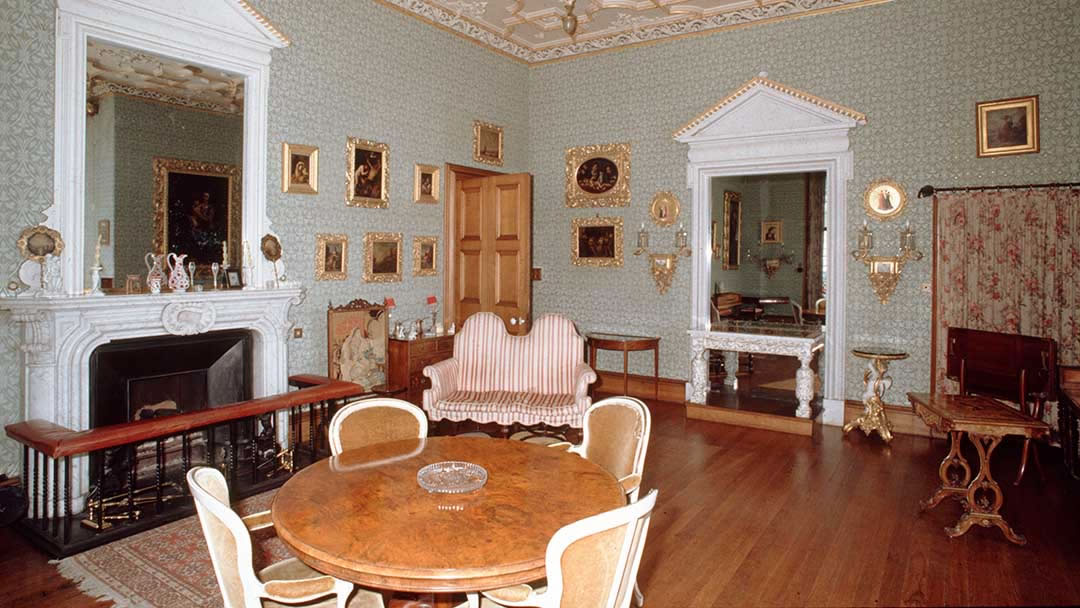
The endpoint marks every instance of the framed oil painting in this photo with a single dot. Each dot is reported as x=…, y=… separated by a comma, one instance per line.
x=597, y=241
x=1007, y=126
x=425, y=252
x=382, y=257
x=664, y=209
x=331, y=257
x=487, y=143
x=884, y=199
x=367, y=165
x=356, y=343
x=730, y=246
x=197, y=208
x=299, y=169
x=772, y=232
x=426, y=184
x=598, y=176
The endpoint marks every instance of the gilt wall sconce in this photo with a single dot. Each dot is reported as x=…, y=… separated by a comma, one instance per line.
x=662, y=266
x=885, y=270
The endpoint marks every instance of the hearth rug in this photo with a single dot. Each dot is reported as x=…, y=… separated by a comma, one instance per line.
x=168, y=566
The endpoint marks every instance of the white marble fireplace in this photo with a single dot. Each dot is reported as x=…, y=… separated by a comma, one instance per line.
x=58, y=336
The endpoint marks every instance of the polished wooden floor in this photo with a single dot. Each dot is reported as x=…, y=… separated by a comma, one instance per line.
x=756, y=518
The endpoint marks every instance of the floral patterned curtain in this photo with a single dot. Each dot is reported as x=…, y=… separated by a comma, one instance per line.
x=815, y=239
x=1009, y=261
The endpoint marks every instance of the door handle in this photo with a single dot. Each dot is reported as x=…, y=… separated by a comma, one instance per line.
x=518, y=321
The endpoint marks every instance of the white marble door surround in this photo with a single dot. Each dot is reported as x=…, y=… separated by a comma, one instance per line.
x=767, y=127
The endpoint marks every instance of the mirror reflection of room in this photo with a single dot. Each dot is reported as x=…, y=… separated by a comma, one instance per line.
x=768, y=248
x=146, y=111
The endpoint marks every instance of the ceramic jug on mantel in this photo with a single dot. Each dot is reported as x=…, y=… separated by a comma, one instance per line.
x=155, y=276
x=178, y=278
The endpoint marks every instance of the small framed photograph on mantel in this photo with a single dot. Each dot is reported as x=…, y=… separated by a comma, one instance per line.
x=1007, y=126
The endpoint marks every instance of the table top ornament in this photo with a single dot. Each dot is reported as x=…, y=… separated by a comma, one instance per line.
x=452, y=477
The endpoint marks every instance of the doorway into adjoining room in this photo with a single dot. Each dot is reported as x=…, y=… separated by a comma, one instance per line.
x=769, y=266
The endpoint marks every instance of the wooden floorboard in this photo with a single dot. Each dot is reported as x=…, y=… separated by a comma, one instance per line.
x=748, y=517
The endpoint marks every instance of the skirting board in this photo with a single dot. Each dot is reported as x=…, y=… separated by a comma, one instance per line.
x=755, y=420
x=611, y=383
x=904, y=419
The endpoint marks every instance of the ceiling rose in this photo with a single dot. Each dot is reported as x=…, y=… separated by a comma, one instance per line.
x=536, y=31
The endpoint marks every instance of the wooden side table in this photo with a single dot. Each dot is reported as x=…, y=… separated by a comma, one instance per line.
x=877, y=367
x=626, y=343
x=408, y=358
x=986, y=422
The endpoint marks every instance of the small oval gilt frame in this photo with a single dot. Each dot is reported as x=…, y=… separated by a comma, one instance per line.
x=664, y=209
x=884, y=199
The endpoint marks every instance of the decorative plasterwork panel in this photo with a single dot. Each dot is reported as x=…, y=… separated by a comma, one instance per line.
x=530, y=30
x=115, y=69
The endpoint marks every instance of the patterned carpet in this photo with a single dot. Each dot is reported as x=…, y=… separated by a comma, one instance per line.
x=168, y=566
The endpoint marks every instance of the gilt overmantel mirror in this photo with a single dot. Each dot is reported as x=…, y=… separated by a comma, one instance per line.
x=125, y=67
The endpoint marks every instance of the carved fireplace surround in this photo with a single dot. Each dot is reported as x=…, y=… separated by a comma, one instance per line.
x=60, y=334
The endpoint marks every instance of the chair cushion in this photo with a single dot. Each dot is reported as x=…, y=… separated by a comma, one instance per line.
x=293, y=569
x=506, y=407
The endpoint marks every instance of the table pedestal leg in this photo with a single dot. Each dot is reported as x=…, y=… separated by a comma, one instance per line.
x=804, y=385
x=873, y=417
x=731, y=366
x=699, y=373
x=952, y=484
x=984, y=497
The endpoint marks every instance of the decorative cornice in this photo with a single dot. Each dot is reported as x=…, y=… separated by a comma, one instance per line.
x=637, y=33
x=263, y=21
x=858, y=117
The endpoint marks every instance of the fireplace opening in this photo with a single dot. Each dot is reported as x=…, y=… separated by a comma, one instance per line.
x=144, y=378
x=147, y=377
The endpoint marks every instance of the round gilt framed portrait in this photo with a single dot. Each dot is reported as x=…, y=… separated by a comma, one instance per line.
x=664, y=209
x=271, y=247
x=884, y=199
x=36, y=242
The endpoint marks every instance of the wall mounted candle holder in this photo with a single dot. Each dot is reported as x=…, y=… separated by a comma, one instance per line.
x=884, y=270
x=662, y=266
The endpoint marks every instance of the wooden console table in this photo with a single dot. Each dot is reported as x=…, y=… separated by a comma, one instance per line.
x=408, y=358
x=733, y=337
x=985, y=421
x=605, y=341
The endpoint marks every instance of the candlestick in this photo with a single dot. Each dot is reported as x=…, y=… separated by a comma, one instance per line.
x=224, y=254
x=97, y=251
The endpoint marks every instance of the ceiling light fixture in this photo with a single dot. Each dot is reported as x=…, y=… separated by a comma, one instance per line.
x=569, y=20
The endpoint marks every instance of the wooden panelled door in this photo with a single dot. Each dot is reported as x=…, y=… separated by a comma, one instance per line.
x=492, y=248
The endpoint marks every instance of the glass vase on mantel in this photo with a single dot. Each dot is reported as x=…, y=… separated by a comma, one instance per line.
x=155, y=275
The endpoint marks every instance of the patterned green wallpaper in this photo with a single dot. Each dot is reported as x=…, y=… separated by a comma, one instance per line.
x=914, y=67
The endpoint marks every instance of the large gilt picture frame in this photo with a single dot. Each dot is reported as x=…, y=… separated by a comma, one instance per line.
x=598, y=176
x=197, y=207
x=356, y=343
x=331, y=257
x=367, y=169
x=487, y=143
x=382, y=257
x=425, y=255
x=597, y=241
x=1007, y=126
x=730, y=246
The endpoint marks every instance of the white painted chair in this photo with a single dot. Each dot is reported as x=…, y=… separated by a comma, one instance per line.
x=591, y=562
x=616, y=437
x=287, y=583
x=370, y=421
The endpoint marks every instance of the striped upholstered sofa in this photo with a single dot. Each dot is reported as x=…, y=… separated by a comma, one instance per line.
x=539, y=378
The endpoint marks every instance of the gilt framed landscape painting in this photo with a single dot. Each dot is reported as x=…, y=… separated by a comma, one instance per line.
x=1007, y=126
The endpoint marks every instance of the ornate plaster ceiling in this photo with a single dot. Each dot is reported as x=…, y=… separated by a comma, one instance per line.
x=114, y=69
x=530, y=30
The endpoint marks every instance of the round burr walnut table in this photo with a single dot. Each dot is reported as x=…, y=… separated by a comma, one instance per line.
x=362, y=517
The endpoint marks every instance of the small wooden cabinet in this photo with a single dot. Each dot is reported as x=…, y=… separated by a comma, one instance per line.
x=408, y=358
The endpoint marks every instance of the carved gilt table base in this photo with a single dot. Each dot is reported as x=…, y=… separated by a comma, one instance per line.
x=985, y=422
x=877, y=382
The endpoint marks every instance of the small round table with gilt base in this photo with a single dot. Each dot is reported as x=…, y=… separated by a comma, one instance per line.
x=877, y=382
